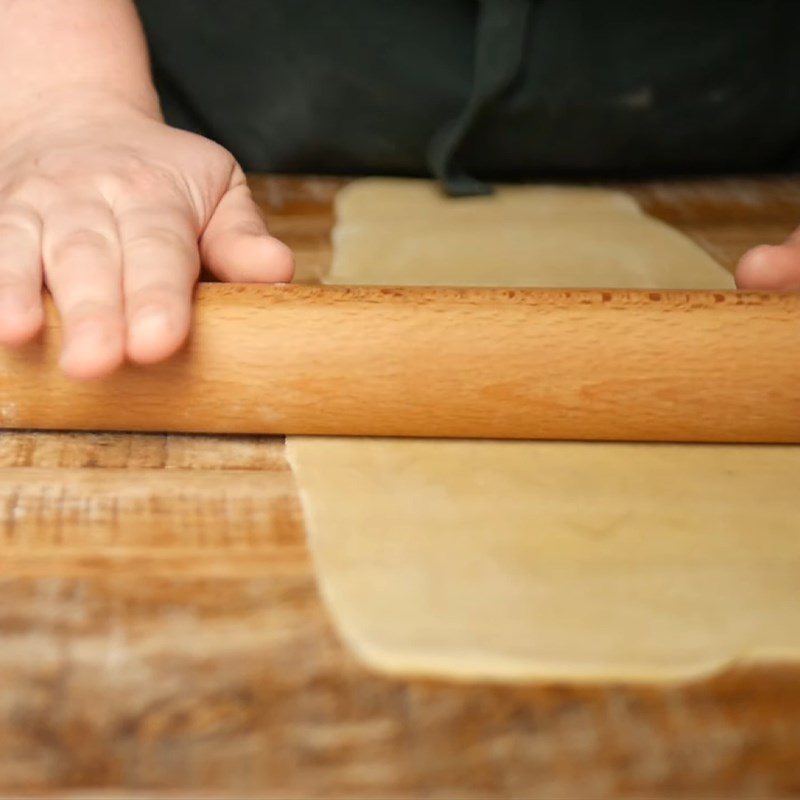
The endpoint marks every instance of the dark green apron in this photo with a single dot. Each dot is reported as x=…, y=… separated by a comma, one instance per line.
x=479, y=90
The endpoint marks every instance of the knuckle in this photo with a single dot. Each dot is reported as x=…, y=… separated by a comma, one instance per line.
x=16, y=220
x=145, y=178
x=79, y=212
x=56, y=162
x=160, y=237
x=39, y=188
x=120, y=181
x=157, y=213
x=113, y=169
x=89, y=309
x=158, y=228
x=157, y=293
x=82, y=244
x=134, y=174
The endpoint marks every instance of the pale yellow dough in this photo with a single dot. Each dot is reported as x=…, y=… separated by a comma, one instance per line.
x=525, y=560
x=394, y=232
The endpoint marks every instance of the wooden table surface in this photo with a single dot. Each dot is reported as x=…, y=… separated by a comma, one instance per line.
x=161, y=633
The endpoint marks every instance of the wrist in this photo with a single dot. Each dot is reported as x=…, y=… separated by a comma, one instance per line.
x=69, y=104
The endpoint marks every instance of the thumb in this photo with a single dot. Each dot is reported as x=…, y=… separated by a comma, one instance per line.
x=771, y=267
x=236, y=245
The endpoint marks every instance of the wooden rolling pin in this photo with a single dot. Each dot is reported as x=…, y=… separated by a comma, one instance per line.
x=505, y=363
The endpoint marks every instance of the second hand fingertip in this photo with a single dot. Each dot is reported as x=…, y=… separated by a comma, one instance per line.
x=769, y=268
x=151, y=321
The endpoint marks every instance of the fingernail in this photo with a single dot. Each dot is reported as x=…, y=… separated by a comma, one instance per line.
x=151, y=320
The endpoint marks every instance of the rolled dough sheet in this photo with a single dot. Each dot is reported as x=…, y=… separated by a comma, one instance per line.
x=394, y=232
x=544, y=560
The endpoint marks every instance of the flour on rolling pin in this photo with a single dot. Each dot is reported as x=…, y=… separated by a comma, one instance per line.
x=525, y=560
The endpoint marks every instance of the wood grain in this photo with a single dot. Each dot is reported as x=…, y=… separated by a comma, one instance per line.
x=380, y=361
x=177, y=658
x=74, y=449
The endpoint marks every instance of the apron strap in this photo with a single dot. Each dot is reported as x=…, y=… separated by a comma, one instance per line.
x=499, y=47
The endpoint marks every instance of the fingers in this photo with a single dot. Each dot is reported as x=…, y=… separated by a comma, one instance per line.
x=20, y=274
x=771, y=267
x=122, y=286
x=161, y=266
x=122, y=270
x=236, y=245
x=83, y=270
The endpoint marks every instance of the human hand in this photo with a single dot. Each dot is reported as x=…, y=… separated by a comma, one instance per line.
x=113, y=211
x=771, y=267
